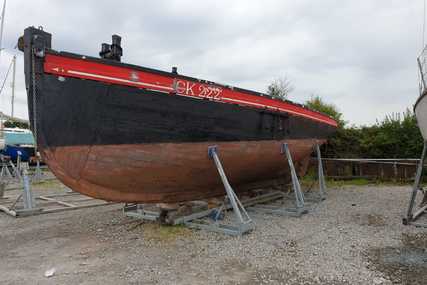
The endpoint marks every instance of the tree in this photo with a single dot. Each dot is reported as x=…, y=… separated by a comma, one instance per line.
x=16, y=124
x=280, y=88
x=316, y=103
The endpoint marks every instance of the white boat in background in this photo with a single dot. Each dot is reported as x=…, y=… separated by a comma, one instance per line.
x=2, y=143
x=420, y=107
x=418, y=207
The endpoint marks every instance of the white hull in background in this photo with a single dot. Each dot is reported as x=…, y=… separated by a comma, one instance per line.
x=421, y=114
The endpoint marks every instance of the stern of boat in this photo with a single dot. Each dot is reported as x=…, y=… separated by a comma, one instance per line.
x=34, y=44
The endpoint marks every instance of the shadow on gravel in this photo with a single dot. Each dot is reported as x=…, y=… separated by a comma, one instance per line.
x=403, y=265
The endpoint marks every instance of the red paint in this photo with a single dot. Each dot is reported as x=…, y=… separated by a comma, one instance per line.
x=84, y=68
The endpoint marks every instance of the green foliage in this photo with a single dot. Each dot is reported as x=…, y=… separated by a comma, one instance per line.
x=344, y=144
x=397, y=136
x=15, y=124
x=316, y=103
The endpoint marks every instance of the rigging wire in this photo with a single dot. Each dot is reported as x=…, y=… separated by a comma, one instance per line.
x=2, y=25
x=5, y=78
x=424, y=22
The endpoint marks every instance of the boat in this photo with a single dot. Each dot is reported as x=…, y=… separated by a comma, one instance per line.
x=420, y=107
x=18, y=141
x=2, y=141
x=418, y=206
x=127, y=133
x=14, y=140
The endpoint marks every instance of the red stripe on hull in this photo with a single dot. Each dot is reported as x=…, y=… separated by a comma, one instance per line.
x=168, y=172
x=86, y=69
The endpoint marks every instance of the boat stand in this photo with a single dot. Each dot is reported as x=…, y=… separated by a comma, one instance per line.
x=412, y=213
x=29, y=204
x=299, y=208
x=242, y=222
x=151, y=213
x=321, y=196
x=23, y=201
x=139, y=211
x=38, y=175
x=196, y=219
x=5, y=174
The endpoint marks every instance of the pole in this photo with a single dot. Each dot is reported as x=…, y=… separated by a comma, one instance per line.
x=13, y=84
x=2, y=24
x=1, y=131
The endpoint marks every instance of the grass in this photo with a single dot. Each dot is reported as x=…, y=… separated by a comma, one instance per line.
x=164, y=233
x=50, y=183
x=310, y=179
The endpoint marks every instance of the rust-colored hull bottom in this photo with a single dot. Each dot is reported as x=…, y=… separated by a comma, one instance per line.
x=169, y=172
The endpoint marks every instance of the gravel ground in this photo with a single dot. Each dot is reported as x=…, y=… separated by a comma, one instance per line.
x=354, y=237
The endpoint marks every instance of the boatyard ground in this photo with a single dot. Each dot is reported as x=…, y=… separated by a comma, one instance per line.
x=354, y=237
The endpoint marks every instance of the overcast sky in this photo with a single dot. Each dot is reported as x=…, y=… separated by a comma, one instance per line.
x=359, y=55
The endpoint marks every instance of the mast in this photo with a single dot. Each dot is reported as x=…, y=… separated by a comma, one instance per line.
x=2, y=25
x=1, y=47
x=13, y=84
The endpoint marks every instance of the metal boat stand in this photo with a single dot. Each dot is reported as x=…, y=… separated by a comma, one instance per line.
x=23, y=201
x=38, y=175
x=16, y=169
x=299, y=208
x=412, y=213
x=29, y=204
x=139, y=211
x=150, y=213
x=321, y=196
x=300, y=200
x=242, y=222
x=5, y=174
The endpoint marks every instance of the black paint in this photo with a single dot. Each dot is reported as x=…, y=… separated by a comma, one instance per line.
x=85, y=112
x=73, y=111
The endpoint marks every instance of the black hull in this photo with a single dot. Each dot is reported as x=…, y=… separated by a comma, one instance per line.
x=84, y=112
